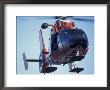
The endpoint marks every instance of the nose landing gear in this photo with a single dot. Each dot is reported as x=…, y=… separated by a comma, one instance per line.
x=75, y=69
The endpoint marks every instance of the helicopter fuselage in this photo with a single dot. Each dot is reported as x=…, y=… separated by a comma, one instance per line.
x=68, y=46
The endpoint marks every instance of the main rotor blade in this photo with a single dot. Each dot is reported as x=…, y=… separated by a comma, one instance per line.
x=35, y=17
x=80, y=18
x=89, y=18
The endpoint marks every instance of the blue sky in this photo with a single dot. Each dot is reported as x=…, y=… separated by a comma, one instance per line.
x=28, y=42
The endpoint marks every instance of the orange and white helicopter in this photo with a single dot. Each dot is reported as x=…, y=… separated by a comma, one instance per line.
x=68, y=44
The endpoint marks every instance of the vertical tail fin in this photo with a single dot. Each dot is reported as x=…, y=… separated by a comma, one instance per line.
x=42, y=46
x=25, y=62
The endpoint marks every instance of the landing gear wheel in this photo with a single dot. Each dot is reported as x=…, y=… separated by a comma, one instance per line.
x=77, y=70
x=49, y=69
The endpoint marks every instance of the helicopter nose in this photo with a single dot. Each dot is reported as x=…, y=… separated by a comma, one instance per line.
x=73, y=38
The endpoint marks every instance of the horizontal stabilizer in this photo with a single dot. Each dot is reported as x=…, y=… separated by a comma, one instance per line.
x=32, y=60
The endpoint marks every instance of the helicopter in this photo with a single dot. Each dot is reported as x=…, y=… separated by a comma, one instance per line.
x=68, y=45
